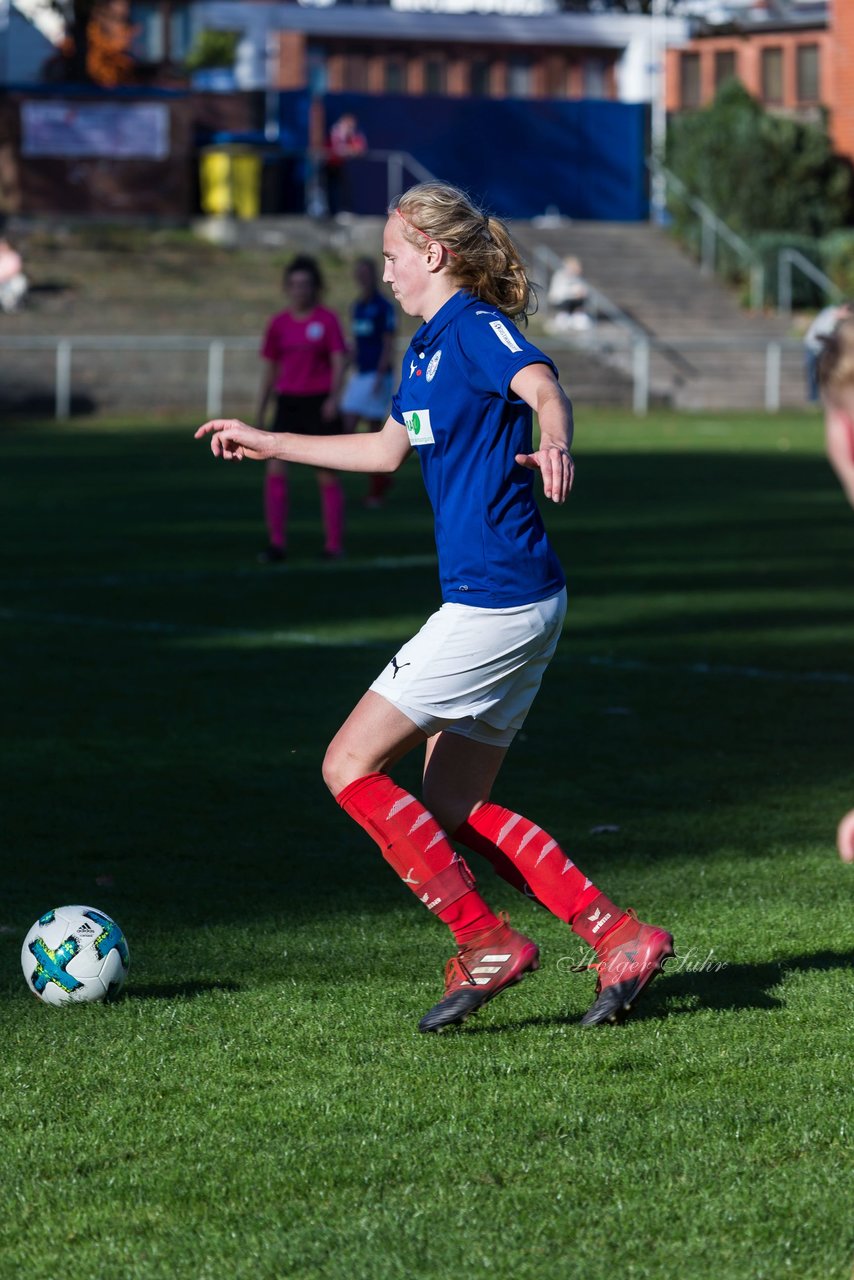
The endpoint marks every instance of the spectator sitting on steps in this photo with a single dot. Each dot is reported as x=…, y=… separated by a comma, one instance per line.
x=814, y=340
x=567, y=298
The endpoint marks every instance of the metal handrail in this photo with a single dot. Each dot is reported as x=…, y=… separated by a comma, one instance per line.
x=788, y=258
x=397, y=162
x=713, y=227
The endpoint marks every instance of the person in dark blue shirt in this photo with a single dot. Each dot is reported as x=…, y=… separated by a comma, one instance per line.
x=463, y=685
x=367, y=396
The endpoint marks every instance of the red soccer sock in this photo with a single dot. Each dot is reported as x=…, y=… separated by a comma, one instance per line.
x=332, y=504
x=528, y=858
x=414, y=844
x=276, y=509
x=379, y=486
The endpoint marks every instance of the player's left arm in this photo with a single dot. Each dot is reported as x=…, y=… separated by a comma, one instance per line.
x=537, y=385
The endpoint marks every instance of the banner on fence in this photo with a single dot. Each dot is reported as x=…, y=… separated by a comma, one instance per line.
x=120, y=131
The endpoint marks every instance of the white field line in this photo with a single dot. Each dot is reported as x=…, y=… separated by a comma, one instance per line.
x=304, y=638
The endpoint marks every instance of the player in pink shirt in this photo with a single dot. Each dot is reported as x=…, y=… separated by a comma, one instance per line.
x=305, y=353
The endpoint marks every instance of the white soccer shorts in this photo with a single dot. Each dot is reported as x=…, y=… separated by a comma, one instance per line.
x=363, y=397
x=474, y=671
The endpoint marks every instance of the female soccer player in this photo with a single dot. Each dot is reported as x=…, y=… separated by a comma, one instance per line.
x=836, y=377
x=305, y=354
x=464, y=684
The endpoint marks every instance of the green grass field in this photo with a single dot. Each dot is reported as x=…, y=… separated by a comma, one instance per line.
x=260, y=1103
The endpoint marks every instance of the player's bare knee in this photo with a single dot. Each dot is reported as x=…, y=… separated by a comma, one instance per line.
x=340, y=767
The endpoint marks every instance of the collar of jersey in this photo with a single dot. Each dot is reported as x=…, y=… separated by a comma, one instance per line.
x=443, y=317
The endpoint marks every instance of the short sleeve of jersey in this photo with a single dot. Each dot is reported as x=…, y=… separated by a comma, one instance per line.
x=491, y=351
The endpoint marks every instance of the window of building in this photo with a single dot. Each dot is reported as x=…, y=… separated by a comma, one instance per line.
x=355, y=73
x=180, y=32
x=595, y=78
x=772, y=76
x=394, y=80
x=480, y=78
x=555, y=78
x=809, y=89
x=520, y=78
x=435, y=75
x=725, y=66
x=689, y=80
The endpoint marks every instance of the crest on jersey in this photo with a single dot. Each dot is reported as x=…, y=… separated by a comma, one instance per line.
x=434, y=365
x=314, y=331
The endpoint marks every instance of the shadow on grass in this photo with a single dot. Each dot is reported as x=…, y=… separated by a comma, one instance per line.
x=178, y=990
x=732, y=989
x=738, y=986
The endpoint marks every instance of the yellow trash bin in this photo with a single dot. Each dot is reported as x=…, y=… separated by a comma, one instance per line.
x=230, y=181
x=246, y=183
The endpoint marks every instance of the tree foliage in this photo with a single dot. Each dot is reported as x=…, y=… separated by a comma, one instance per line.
x=759, y=171
x=213, y=48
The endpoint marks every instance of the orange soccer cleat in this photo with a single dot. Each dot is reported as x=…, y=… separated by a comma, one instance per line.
x=629, y=958
x=480, y=970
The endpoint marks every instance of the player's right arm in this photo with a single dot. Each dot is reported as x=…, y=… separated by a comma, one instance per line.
x=839, y=439
x=383, y=450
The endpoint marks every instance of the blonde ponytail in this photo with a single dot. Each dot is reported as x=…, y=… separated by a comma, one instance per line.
x=481, y=254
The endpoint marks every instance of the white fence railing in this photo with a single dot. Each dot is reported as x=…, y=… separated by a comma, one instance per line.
x=64, y=348
x=208, y=376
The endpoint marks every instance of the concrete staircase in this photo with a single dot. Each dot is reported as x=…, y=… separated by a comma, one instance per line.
x=642, y=270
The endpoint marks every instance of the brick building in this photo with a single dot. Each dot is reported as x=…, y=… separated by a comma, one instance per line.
x=795, y=57
x=453, y=48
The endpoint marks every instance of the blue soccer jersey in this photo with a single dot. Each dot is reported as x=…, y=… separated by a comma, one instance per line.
x=372, y=318
x=467, y=426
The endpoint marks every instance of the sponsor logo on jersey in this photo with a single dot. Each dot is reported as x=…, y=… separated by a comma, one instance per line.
x=418, y=426
x=314, y=331
x=503, y=333
x=433, y=365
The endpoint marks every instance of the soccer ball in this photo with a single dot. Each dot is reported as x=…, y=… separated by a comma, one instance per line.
x=73, y=955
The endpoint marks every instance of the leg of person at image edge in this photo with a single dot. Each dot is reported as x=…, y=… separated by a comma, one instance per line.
x=491, y=955
x=845, y=838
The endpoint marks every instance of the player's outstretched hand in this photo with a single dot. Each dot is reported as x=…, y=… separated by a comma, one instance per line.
x=234, y=440
x=845, y=838
x=555, y=466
